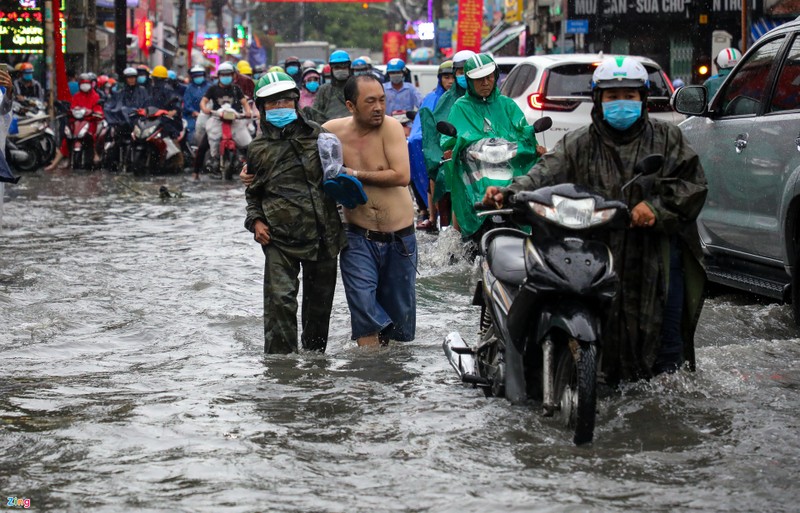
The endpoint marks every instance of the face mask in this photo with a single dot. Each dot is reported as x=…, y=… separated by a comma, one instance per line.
x=85, y=87
x=198, y=80
x=226, y=80
x=621, y=114
x=141, y=80
x=312, y=86
x=27, y=76
x=280, y=117
x=341, y=74
x=396, y=78
x=292, y=70
x=461, y=80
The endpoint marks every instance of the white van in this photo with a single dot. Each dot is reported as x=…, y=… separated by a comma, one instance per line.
x=423, y=76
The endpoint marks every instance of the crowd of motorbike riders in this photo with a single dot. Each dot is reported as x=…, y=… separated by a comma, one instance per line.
x=151, y=119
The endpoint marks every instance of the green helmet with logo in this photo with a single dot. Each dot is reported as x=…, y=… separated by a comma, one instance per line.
x=479, y=66
x=275, y=83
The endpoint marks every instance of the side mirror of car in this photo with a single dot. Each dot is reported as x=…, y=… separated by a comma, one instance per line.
x=445, y=128
x=542, y=124
x=690, y=101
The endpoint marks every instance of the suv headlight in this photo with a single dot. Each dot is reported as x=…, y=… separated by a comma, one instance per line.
x=576, y=214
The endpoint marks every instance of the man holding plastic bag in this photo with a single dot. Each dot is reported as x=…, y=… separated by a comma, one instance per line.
x=296, y=223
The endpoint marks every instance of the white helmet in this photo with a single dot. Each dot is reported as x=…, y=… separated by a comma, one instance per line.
x=620, y=72
x=129, y=72
x=728, y=58
x=197, y=70
x=225, y=67
x=461, y=57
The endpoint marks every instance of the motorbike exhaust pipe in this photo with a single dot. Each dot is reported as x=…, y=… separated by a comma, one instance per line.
x=459, y=354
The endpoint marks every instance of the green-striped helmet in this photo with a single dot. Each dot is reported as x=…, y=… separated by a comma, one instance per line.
x=275, y=83
x=479, y=66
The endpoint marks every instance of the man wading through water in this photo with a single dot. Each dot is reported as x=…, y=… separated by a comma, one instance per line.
x=379, y=264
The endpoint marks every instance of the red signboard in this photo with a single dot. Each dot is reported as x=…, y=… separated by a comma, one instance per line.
x=326, y=1
x=394, y=46
x=145, y=32
x=470, y=25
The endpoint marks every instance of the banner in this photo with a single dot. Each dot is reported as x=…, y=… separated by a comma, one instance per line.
x=394, y=46
x=470, y=25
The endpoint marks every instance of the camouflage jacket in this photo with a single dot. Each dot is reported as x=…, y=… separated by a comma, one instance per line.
x=328, y=103
x=287, y=192
x=602, y=159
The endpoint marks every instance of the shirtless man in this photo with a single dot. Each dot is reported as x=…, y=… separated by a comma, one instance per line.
x=379, y=264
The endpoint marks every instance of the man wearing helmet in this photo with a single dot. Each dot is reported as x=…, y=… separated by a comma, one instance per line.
x=226, y=92
x=726, y=60
x=379, y=265
x=26, y=86
x=297, y=225
x=243, y=78
x=329, y=102
x=650, y=326
x=87, y=98
x=483, y=112
x=192, y=97
x=130, y=95
x=401, y=96
x=293, y=68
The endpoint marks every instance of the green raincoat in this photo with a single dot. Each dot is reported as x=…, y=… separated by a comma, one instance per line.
x=328, y=104
x=603, y=159
x=477, y=118
x=431, y=141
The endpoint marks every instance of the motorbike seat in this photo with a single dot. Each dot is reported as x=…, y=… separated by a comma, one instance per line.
x=506, y=257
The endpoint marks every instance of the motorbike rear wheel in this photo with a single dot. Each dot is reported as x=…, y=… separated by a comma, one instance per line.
x=30, y=161
x=228, y=165
x=575, y=388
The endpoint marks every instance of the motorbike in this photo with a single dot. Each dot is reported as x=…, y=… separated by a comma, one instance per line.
x=80, y=140
x=152, y=147
x=117, y=138
x=231, y=158
x=31, y=142
x=543, y=296
x=484, y=162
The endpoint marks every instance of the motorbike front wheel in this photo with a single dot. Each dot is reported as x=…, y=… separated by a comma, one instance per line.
x=228, y=165
x=576, y=388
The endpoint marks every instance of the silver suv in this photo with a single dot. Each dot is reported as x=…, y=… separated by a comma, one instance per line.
x=748, y=139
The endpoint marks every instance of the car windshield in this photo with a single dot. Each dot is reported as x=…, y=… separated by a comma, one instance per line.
x=576, y=80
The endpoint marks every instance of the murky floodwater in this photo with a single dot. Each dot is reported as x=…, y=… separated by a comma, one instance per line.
x=132, y=378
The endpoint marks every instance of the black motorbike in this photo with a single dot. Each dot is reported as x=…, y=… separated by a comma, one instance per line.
x=116, y=138
x=543, y=297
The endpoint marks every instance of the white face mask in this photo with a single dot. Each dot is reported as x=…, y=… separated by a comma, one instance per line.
x=85, y=87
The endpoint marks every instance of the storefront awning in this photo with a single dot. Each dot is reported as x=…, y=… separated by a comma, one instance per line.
x=762, y=26
x=495, y=42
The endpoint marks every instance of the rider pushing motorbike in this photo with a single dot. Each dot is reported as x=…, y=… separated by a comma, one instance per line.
x=651, y=323
x=483, y=113
x=226, y=92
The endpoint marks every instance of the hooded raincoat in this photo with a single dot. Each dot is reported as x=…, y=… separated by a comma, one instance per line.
x=329, y=103
x=477, y=118
x=601, y=158
x=419, y=172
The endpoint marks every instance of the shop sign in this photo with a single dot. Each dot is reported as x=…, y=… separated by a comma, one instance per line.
x=21, y=28
x=470, y=25
x=394, y=46
x=649, y=7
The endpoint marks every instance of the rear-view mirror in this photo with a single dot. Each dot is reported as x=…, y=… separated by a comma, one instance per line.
x=445, y=128
x=690, y=101
x=542, y=124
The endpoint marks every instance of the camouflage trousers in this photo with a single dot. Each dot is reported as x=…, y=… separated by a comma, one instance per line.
x=281, y=285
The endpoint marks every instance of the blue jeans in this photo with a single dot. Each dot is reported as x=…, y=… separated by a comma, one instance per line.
x=380, y=284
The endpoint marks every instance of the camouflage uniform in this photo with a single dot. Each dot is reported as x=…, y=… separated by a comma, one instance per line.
x=305, y=230
x=632, y=331
x=329, y=103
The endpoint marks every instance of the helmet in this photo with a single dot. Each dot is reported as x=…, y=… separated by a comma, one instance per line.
x=339, y=57
x=172, y=75
x=445, y=68
x=395, y=65
x=620, y=72
x=309, y=64
x=326, y=69
x=226, y=68
x=197, y=70
x=310, y=71
x=84, y=78
x=293, y=60
x=129, y=72
x=461, y=57
x=728, y=58
x=142, y=69
x=358, y=63
x=244, y=67
x=25, y=66
x=111, y=82
x=275, y=69
x=479, y=66
x=101, y=80
x=92, y=76
x=367, y=59
x=275, y=83
x=678, y=82
x=159, y=72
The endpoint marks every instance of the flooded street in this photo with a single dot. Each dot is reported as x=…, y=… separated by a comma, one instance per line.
x=132, y=378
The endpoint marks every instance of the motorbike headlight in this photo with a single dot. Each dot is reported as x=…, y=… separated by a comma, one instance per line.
x=576, y=214
x=78, y=113
x=495, y=154
x=147, y=132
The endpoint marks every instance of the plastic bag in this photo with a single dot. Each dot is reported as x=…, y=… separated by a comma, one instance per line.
x=330, y=155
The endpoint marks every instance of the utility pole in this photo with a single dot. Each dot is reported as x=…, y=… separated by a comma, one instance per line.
x=120, y=36
x=92, y=57
x=181, y=55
